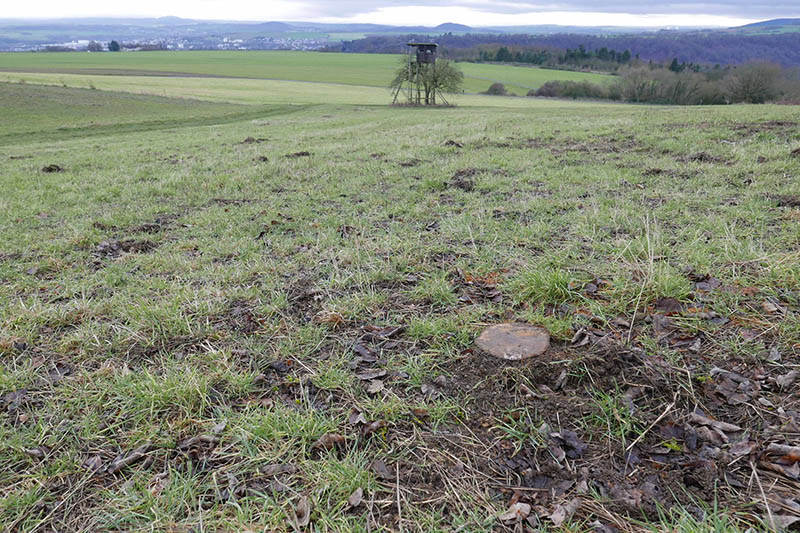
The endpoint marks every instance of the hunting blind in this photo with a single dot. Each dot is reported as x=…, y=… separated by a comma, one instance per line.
x=420, y=85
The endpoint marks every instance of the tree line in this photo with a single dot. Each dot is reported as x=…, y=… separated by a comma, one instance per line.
x=604, y=58
x=754, y=83
x=696, y=47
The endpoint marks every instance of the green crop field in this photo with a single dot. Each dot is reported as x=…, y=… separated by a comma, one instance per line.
x=232, y=304
x=373, y=70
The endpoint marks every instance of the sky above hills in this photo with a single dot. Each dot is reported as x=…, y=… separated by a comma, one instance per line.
x=429, y=13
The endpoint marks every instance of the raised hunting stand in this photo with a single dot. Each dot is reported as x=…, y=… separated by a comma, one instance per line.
x=421, y=63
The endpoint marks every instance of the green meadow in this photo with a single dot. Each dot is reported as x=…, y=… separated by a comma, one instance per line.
x=372, y=70
x=250, y=303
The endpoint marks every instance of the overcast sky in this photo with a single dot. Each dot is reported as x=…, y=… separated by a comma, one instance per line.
x=470, y=12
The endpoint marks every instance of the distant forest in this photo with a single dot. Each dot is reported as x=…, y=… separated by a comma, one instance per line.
x=699, y=47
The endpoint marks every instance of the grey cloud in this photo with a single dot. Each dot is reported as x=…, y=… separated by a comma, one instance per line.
x=737, y=8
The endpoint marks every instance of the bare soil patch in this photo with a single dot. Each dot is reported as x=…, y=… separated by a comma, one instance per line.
x=703, y=157
x=115, y=248
x=253, y=140
x=787, y=200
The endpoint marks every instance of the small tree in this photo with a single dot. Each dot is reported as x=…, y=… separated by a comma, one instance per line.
x=439, y=76
x=755, y=83
x=503, y=55
x=497, y=89
x=113, y=46
x=94, y=46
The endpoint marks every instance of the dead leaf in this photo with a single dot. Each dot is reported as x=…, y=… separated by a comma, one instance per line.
x=330, y=318
x=357, y=417
x=375, y=386
x=569, y=441
x=562, y=512
x=159, y=482
x=428, y=389
x=381, y=470
x=774, y=355
x=599, y=527
x=356, y=498
x=742, y=448
x=369, y=375
x=787, y=380
x=329, y=441
x=790, y=454
x=93, y=464
x=365, y=353
x=277, y=469
x=703, y=420
x=302, y=513
x=38, y=453
x=373, y=427
x=669, y=305
x=557, y=452
x=130, y=458
x=517, y=511
x=782, y=522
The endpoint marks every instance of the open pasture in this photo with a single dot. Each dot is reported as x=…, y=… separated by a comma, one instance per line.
x=267, y=323
x=256, y=92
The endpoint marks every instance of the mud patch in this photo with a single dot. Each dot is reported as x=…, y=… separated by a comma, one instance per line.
x=116, y=248
x=410, y=163
x=160, y=223
x=787, y=200
x=253, y=140
x=703, y=157
x=305, y=300
x=229, y=201
x=463, y=179
x=298, y=154
x=239, y=317
x=760, y=127
x=653, y=172
x=477, y=289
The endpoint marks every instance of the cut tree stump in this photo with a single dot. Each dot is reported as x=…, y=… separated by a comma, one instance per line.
x=514, y=342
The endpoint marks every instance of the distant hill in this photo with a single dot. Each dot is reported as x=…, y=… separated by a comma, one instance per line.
x=769, y=27
x=453, y=27
x=772, y=23
x=774, y=40
x=173, y=20
x=274, y=27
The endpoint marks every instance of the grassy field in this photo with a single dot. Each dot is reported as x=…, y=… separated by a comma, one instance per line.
x=49, y=113
x=373, y=70
x=255, y=92
x=266, y=323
